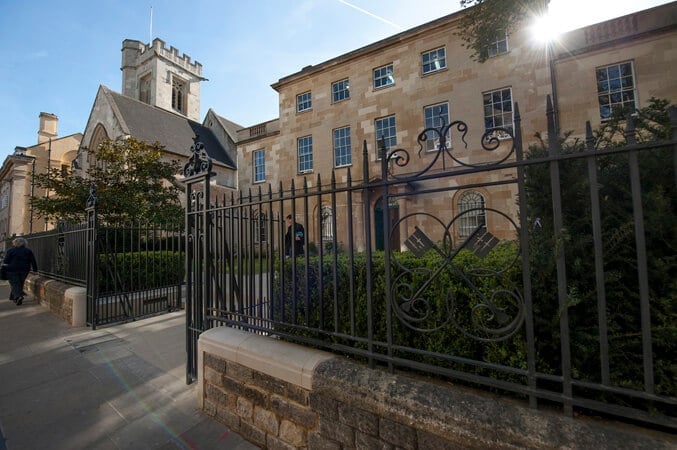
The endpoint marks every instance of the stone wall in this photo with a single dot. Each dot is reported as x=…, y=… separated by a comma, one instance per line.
x=66, y=301
x=280, y=395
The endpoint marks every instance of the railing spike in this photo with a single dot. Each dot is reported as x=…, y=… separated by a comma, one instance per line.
x=630, y=128
x=589, y=138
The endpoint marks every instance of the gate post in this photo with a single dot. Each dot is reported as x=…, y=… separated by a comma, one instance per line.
x=92, y=266
x=197, y=173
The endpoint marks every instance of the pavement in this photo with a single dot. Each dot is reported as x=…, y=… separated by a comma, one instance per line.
x=118, y=387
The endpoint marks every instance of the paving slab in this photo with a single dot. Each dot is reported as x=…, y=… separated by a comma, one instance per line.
x=118, y=387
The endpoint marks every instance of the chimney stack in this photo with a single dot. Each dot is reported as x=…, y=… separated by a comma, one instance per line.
x=48, y=126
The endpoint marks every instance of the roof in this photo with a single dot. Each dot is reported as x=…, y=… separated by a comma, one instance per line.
x=175, y=132
x=231, y=127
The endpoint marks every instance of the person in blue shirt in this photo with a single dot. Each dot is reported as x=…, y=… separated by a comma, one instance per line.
x=19, y=260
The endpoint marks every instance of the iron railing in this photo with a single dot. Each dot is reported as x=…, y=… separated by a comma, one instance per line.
x=130, y=270
x=549, y=297
x=62, y=252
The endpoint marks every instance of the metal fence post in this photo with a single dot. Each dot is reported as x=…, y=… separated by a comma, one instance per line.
x=92, y=257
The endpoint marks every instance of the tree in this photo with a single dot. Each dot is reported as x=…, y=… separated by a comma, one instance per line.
x=622, y=314
x=131, y=180
x=488, y=20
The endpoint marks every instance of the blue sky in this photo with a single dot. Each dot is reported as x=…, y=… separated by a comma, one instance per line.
x=55, y=54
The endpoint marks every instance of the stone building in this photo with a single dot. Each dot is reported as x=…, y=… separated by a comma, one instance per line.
x=160, y=102
x=396, y=87
x=17, y=178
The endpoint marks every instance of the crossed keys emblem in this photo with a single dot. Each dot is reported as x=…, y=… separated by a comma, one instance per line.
x=494, y=315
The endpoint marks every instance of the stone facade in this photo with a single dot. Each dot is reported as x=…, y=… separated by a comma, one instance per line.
x=645, y=39
x=523, y=70
x=17, y=178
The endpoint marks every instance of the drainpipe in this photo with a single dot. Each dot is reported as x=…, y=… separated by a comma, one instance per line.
x=30, y=224
x=49, y=167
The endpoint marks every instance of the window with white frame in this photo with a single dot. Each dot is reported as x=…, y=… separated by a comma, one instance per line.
x=383, y=76
x=305, y=152
x=499, y=46
x=471, y=212
x=340, y=91
x=327, y=216
x=342, y=147
x=304, y=102
x=436, y=116
x=386, y=130
x=434, y=60
x=259, y=166
x=615, y=89
x=179, y=95
x=498, y=109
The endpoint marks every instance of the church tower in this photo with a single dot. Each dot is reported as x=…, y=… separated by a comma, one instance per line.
x=160, y=77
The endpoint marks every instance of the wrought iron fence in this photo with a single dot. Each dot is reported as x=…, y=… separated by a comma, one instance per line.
x=130, y=270
x=136, y=269
x=62, y=252
x=550, y=278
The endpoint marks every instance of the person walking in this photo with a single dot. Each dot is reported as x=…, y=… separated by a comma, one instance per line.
x=19, y=260
x=294, y=234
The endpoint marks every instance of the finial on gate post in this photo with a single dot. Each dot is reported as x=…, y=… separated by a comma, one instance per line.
x=92, y=200
x=199, y=163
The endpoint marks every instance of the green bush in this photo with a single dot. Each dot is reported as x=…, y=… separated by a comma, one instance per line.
x=449, y=318
x=138, y=271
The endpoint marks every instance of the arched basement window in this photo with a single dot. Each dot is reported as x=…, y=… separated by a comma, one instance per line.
x=471, y=211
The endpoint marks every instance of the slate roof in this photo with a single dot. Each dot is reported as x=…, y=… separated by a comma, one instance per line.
x=231, y=127
x=175, y=132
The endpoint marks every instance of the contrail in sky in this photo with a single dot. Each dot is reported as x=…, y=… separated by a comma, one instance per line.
x=371, y=14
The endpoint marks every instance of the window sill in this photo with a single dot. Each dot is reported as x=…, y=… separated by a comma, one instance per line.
x=433, y=72
x=380, y=88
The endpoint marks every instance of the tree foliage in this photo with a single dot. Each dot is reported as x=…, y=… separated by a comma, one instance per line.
x=488, y=20
x=622, y=315
x=131, y=180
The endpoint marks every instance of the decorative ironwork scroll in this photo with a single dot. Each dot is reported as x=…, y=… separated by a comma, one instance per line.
x=487, y=306
x=92, y=200
x=499, y=142
x=199, y=163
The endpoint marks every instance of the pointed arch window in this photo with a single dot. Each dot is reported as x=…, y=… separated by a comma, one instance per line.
x=179, y=95
x=144, y=89
x=471, y=210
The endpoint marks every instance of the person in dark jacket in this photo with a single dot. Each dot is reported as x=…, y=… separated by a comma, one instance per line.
x=295, y=232
x=19, y=260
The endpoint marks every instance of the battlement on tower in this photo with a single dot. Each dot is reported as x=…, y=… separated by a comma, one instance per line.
x=152, y=72
x=172, y=54
x=159, y=47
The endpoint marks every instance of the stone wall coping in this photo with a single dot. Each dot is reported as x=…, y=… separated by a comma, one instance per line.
x=284, y=360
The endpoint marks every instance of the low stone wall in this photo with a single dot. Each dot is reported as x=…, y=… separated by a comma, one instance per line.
x=66, y=301
x=280, y=395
